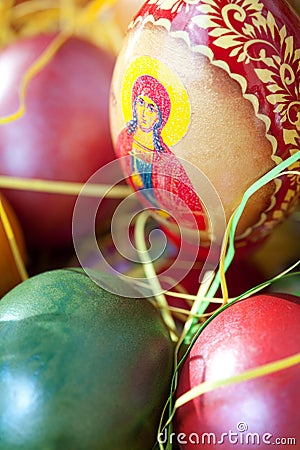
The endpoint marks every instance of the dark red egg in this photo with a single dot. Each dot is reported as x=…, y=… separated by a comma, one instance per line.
x=248, y=334
x=63, y=135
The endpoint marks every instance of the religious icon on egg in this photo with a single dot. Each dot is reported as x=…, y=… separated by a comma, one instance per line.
x=230, y=70
x=156, y=109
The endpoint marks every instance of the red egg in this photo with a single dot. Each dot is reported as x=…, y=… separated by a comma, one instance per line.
x=248, y=334
x=63, y=135
x=205, y=101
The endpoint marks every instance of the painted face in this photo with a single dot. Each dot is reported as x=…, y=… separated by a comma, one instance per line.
x=146, y=112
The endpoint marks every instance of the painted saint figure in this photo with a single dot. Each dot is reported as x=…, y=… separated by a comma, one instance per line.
x=154, y=170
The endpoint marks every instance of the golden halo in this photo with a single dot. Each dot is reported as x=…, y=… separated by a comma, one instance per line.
x=180, y=114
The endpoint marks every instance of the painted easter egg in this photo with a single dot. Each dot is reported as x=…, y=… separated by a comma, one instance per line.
x=204, y=102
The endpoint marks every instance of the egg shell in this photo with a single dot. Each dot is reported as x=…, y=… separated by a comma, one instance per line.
x=9, y=274
x=81, y=368
x=223, y=78
x=248, y=334
x=63, y=134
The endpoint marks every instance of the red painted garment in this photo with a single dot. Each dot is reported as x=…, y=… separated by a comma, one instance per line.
x=172, y=189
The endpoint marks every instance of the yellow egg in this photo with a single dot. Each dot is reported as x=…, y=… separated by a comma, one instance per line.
x=208, y=92
x=9, y=273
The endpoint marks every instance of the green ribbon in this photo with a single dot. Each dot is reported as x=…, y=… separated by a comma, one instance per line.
x=265, y=179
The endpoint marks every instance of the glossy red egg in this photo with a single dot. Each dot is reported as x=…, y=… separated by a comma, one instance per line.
x=246, y=335
x=63, y=135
